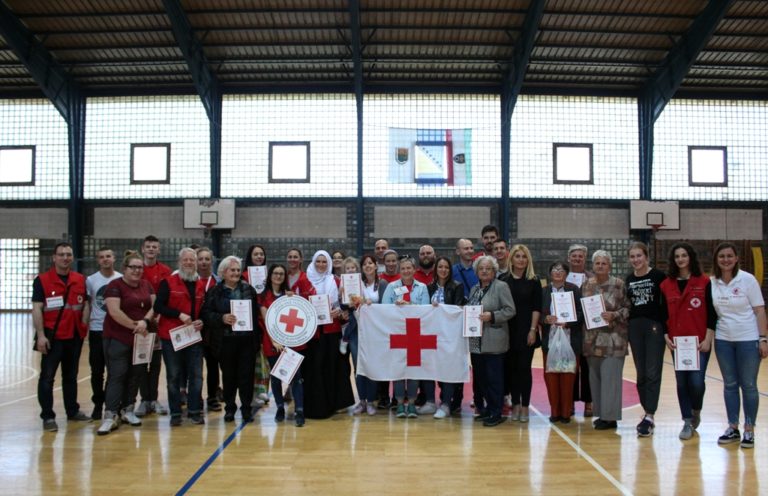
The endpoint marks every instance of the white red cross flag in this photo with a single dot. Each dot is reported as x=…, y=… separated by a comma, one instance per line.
x=412, y=342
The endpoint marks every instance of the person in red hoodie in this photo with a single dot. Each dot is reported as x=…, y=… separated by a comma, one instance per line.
x=59, y=301
x=179, y=301
x=690, y=312
x=154, y=272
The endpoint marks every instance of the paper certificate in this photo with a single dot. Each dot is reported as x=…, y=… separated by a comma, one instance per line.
x=687, y=353
x=576, y=278
x=242, y=309
x=142, y=348
x=473, y=326
x=565, y=306
x=184, y=336
x=322, y=304
x=287, y=364
x=257, y=276
x=593, y=306
x=352, y=287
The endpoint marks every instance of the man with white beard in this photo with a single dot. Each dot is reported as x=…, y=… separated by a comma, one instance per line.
x=179, y=301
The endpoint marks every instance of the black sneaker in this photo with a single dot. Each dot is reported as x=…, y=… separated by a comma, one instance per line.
x=175, y=420
x=604, y=425
x=229, y=417
x=493, y=421
x=247, y=416
x=748, y=441
x=383, y=404
x=79, y=417
x=280, y=414
x=197, y=419
x=393, y=404
x=97, y=413
x=299, y=418
x=730, y=435
x=645, y=427
x=214, y=406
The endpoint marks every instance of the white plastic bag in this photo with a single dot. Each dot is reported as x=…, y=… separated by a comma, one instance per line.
x=560, y=359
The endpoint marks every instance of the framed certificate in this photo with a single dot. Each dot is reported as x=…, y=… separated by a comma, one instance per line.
x=322, y=304
x=593, y=307
x=565, y=306
x=687, y=353
x=184, y=336
x=257, y=276
x=142, y=348
x=287, y=364
x=353, y=286
x=242, y=309
x=473, y=326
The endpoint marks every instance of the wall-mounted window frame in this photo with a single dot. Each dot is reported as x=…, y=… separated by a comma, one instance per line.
x=278, y=151
x=161, y=147
x=692, y=164
x=13, y=153
x=557, y=162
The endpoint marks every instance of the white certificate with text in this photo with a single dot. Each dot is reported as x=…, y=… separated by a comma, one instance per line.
x=257, y=276
x=687, y=353
x=322, y=304
x=184, y=336
x=353, y=286
x=593, y=307
x=142, y=348
x=473, y=326
x=565, y=306
x=242, y=310
x=287, y=365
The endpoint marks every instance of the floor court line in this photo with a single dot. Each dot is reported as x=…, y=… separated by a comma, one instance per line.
x=31, y=396
x=616, y=483
x=191, y=482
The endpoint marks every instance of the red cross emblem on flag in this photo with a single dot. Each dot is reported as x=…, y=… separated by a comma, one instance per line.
x=413, y=341
x=291, y=320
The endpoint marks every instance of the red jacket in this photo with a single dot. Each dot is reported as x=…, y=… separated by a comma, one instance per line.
x=155, y=273
x=72, y=315
x=687, y=311
x=302, y=286
x=179, y=299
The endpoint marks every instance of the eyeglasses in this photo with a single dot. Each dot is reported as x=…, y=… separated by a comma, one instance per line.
x=135, y=267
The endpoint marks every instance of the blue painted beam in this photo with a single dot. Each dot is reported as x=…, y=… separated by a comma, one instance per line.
x=54, y=81
x=512, y=83
x=357, y=63
x=668, y=77
x=666, y=80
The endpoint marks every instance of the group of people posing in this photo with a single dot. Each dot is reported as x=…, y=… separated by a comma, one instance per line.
x=647, y=311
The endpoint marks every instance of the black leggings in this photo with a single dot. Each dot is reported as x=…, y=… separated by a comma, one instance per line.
x=518, y=376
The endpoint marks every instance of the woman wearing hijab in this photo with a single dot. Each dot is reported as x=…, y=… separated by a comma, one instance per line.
x=325, y=371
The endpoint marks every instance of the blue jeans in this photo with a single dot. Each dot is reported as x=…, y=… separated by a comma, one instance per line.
x=447, y=390
x=739, y=362
x=691, y=387
x=193, y=357
x=67, y=353
x=297, y=387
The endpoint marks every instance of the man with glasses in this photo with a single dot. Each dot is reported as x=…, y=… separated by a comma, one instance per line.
x=59, y=302
x=96, y=284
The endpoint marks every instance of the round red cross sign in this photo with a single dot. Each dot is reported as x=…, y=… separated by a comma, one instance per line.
x=291, y=321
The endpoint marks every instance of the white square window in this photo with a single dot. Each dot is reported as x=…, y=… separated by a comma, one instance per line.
x=17, y=165
x=707, y=166
x=289, y=161
x=151, y=163
x=572, y=163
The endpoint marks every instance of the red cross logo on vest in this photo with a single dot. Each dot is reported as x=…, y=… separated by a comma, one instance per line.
x=413, y=341
x=291, y=320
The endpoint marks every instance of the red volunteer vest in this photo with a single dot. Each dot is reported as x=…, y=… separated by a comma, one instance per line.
x=687, y=310
x=72, y=315
x=179, y=299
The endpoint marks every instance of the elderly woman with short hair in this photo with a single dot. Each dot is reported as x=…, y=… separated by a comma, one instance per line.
x=606, y=347
x=488, y=351
x=236, y=350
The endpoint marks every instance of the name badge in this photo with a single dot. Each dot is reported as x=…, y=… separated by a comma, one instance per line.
x=401, y=291
x=54, y=302
x=723, y=300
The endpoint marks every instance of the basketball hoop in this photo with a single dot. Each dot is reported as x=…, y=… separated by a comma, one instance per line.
x=207, y=229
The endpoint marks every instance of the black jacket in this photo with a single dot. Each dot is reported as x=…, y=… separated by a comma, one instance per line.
x=216, y=305
x=454, y=292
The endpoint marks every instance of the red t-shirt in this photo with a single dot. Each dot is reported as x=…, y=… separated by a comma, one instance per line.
x=388, y=278
x=156, y=273
x=134, y=302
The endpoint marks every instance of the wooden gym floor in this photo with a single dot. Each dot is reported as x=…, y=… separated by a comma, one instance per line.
x=363, y=455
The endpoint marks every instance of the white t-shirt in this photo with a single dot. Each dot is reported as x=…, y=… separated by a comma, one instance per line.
x=96, y=284
x=370, y=293
x=734, y=302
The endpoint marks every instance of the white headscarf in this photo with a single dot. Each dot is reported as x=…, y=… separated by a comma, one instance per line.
x=324, y=283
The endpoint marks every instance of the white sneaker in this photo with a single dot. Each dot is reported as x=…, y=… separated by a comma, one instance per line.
x=142, y=409
x=443, y=412
x=257, y=402
x=109, y=424
x=359, y=408
x=130, y=418
x=427, y=408
x=343, y=345
x=158, y=408
x=264, y=397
